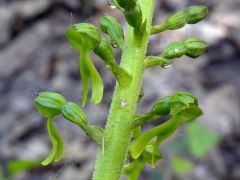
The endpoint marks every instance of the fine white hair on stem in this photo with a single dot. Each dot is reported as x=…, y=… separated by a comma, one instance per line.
x=103, y=146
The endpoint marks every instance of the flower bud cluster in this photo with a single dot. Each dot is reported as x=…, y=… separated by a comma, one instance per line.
x=190, y=15
x=192, y=47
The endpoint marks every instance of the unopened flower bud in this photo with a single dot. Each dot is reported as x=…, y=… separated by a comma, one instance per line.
x=49, y=104
x=176, y=21
x=174, y=50
x=196, y=14
x=74, y=113
x=134, y=17
x=195, y=47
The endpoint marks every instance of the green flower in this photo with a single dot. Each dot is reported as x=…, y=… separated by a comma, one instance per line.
x=84, y=37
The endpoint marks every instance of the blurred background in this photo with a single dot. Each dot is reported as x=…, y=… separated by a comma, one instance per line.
x=35, y=56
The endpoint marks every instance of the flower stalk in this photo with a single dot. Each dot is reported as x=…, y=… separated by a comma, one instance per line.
x=109, y=164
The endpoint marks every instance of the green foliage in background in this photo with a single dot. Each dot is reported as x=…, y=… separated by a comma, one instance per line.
x=200, y=139
x=181, y=165
x=15, y=167
x=194, y=144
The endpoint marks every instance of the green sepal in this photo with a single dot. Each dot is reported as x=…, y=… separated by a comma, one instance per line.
x=174, y=50
x=49, y=104
x=89, y=34
x=176, y=21
x=190, y=114
x=162, y=107
x=74, y=39
x=83, y=36
x=195, y=47
x=113, y=28
x=57, y=144
x=74, y=113
x=196, y=14
x=186, y=97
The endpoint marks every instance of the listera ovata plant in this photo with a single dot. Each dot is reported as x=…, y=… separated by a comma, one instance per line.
x=122, y=147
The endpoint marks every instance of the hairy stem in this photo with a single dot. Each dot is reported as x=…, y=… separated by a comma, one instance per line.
x=110, y=163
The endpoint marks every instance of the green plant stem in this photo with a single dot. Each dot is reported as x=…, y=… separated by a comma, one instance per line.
x=110, y=163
